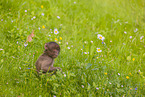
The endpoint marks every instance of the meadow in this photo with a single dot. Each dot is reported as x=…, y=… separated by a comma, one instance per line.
x=102, y=47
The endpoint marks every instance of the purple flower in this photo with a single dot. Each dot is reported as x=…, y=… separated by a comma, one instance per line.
x=28, y=68
x=135, y=88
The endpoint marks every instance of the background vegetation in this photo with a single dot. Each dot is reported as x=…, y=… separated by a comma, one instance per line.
x=116, y=71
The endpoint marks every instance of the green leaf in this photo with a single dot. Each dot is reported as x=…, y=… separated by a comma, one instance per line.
x=88, y=65
x=129, y=58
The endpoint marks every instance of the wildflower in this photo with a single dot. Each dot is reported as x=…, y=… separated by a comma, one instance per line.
x=43, y=26
x=74, y=2
x=130, y=37
x=133, y=59
x=127, y=77
x=67, y=43
x=34, y=17
x=25, y=44
x=1, y=19
x=71, y=45
x=59, y=42
x=64, y=75
x=85, y=52
x=68, y=47
x=28, y=68
x=91, y=41
x=101, y=37
x=49, y=35
x=136, y=30
x=130, y=74
x=85, y=42
x=19, y=67
x=98, y=50
x=82, y=86
x=12, y=21
x=110, y=83
x=25, y=10
x=58, y=17
x=39, y=28
x=60, y=38
x=97, y=88
x=56, y=39
x=31, y=18
x=130, y=88
x=125, y=32
x=118, y=73
x=121, y=85
x=110, y=40
x=56, y=31
x=1, y=49
x=135, y=88
x=141, y=37
x=42, y=14
x=105, y=73
x=41, y=6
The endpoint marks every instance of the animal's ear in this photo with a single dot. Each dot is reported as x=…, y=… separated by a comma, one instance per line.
x=45, y=46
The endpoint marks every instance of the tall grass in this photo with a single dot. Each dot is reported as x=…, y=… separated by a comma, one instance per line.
x=116, y=71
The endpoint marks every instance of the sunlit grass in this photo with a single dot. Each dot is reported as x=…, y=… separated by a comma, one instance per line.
x=102, y=47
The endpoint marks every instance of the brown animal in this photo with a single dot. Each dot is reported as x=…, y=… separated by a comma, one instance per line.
x=46, y=60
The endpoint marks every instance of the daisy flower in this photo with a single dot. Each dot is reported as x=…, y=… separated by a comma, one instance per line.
x=98, y=50
x=58, y=17
x=101, y=37
x=56, y=31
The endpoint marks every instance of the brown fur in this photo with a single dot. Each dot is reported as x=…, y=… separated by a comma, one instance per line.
x=46, y=60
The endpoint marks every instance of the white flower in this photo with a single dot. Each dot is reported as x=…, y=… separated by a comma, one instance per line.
x=130, y=37
x=101, y=37
x=68, y=47
x=118, y=73
x=141, y=37
x=91, y=41
x=25, y=10
x=42, y=14
x=82, y=86
x=25, y=44
x=12, y=21
x=56, y=31
x=59, y=42
x=31, y=18
x=125, y=32
x=34, y=17
x=64, y=75
x=98, y=50
x=17, y=42
x=58, y=17
x=39, y=28
x=1, y=19
x=67, y=43
x=136, y=30
x=85, y=52
x=97, y=88
x=110, y=40
x=74, y=2
x=49, y=35
x=71, y=45
x=1, y=49
x=121, y=85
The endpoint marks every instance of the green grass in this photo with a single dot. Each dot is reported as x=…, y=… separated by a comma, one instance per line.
x=84, y=75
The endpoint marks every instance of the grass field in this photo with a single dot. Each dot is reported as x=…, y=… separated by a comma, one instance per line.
x=115, y=69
